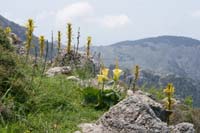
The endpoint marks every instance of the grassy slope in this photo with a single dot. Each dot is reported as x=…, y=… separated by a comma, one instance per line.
x=56, y=107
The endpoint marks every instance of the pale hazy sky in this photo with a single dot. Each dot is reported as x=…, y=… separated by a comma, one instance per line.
x=108, y=21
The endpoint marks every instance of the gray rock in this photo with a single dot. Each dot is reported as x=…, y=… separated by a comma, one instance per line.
x=73, y=78
x=183, y=128
x=58, y=70
x=135, y=114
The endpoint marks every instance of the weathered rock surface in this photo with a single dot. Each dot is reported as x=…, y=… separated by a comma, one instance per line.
x=58, y=70
x=73, y=78
x=136, y=114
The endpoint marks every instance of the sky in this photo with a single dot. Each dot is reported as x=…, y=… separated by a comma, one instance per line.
x=107, y=21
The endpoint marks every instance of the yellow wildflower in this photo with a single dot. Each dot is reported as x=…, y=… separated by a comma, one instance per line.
x=105, y=71
x=101, y=78
x=59, y=40
x=69, y=37
x=89, y=39
x=169, y=90
x=41, y=39
x=116, y=72
x=7, y=30
x=136, y=72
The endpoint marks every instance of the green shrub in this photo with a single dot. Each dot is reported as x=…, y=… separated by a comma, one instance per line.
x=90, y=95
x=188, y=101
x=4, y=41
x=156, y=93
x=100, y=99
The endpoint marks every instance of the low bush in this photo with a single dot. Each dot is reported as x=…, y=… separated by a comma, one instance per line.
x=100, y=99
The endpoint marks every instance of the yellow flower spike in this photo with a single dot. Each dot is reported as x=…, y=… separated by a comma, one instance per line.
x=105, y=72
x=117, y=64
x=69, y=37
x=89, y=40
x=41, y=42
x=29, y=33
x=59, y=40
x=136, y=72
x=100, y=78
x=169, y=90
x=116, y=74
x=103, y=76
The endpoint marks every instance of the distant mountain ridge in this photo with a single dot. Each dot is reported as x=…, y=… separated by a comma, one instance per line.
x=165, y=54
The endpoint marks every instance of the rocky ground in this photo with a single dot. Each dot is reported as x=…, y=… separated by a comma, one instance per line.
x=138, y=113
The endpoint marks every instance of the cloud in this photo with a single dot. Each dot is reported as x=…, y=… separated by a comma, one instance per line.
x=115, y=21
x=44, y=15
x=83, y=12
x=196, y=13
x=73, y=12
x=110, y=21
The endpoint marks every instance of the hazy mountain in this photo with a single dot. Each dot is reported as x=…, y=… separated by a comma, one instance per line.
x=163, y=59
x=20, y=31
x=16, y=28
x=165, y=54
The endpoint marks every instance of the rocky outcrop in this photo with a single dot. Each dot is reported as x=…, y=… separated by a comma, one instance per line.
x=58, y=70
x=136, y=114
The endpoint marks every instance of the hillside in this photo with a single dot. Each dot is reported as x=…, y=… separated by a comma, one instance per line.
x=163, y=59
x=165, y=54
x=39, y=96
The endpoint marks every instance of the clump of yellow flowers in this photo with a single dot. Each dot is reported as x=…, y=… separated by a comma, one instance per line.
x=89, y=40
x=41, y=42
x=169, y=91
x=69, y=37
x=103, y=76
x=29, y=34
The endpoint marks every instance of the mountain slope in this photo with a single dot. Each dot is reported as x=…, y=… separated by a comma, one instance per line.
x=165, y=54
x=163, y=59
x=20, y=31
x=17, y=29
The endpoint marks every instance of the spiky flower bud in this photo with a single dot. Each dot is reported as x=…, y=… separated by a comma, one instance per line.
x=59, y=40
x=29, y=34
x=89, y=40
x=41, y=42
x=69, y=37
x=136, y=71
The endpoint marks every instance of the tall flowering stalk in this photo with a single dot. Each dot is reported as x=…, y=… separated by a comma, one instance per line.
x=116, y=73
x=41, y=42
x=89, y=40
x=136, y=77
x=78, y=41
x=51, y=52
x=169, y=91
x=29, y=35
x=102, y=78
x=69, y=37
x=59, y=41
